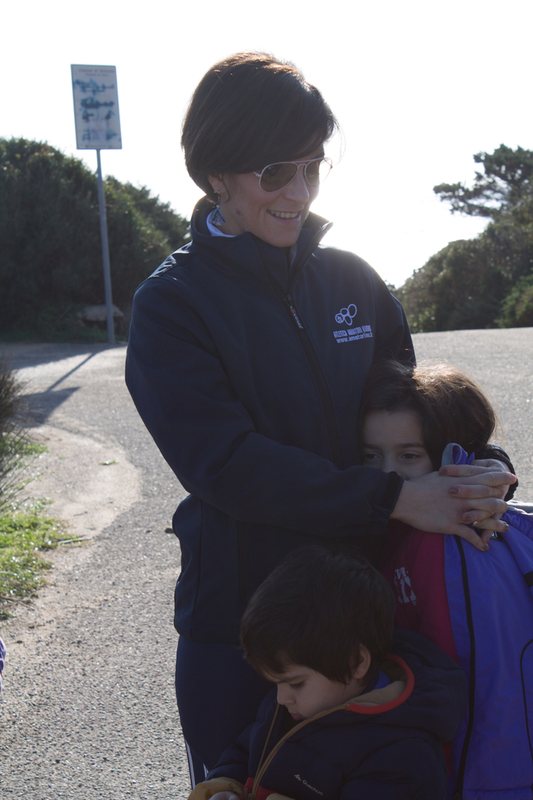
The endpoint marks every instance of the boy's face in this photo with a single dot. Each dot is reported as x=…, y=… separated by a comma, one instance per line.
x=393, y=442
x=305, y=692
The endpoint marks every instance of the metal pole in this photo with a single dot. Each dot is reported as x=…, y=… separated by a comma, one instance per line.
x=105, y=255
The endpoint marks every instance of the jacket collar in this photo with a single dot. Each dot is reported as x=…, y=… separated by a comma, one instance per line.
x=248, y=252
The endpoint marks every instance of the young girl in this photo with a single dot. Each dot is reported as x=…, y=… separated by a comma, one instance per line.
x=476, y=606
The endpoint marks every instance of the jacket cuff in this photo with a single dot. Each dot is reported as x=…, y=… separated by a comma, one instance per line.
x=383, y=503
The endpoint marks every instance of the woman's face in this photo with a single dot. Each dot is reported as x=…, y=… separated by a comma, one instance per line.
x=274, y=217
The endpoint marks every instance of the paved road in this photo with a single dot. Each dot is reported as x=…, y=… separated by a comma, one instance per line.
x=88, y=706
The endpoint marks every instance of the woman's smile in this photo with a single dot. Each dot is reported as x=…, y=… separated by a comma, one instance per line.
x=275, y=217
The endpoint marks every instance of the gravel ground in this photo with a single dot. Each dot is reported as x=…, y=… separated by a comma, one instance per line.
x=88, y=708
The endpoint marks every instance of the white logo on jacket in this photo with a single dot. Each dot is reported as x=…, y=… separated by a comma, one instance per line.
x=402, y=585
x=346, y=315
x=302, y=780
x=353, y=334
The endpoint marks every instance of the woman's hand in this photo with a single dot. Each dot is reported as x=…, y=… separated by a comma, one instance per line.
x=499, y=482
x=450, y=501
x=493, y=465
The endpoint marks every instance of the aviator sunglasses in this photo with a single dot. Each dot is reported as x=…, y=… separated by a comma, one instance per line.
x=274, y=177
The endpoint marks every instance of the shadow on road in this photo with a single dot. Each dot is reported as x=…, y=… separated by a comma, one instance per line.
x=38, y=407
x=20, y=355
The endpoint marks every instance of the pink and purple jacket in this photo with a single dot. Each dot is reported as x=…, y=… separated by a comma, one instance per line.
x=478, y=608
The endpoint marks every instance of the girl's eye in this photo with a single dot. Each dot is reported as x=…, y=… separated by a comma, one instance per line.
x=296, y=685
x=410, y=455
x=370, y=456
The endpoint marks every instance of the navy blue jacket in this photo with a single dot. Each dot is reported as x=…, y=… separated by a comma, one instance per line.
x=383, y=752
x=248, y=373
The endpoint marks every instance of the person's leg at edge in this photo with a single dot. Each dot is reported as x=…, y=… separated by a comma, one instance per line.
x=218, y=696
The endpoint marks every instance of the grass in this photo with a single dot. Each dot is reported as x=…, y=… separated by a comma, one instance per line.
x=25, y=532
x=24, y=537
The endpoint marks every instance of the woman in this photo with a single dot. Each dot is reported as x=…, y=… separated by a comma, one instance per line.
x=247, y=357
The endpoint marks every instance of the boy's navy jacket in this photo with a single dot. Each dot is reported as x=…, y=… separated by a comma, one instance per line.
x=248, y=372
x=388, y=752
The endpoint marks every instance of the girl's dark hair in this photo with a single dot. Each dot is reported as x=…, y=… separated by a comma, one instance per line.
x=250, y=110
x=316, y=609
x=451, y=407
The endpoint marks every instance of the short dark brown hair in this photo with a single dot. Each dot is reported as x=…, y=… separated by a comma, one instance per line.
x=250, y=110
x=451, y=406
x=316, y=609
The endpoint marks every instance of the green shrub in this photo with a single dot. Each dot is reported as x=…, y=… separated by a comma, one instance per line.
x=51, y=262
x=517, y=308
x=13, y=440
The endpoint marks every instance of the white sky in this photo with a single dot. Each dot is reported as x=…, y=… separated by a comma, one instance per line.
x=418, y=88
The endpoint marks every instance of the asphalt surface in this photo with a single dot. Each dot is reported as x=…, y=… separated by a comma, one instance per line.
x=87, y=707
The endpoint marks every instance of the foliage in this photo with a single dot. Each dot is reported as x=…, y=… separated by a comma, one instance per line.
x=506, y=182
x=517, y=308
x=50, y=242
x=486, y=281
x=13, y=440
x=23, y=537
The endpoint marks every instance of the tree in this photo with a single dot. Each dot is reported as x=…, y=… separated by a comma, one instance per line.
x=51, y=262
x=458, y=288
x=486, y=281
x=506, y=182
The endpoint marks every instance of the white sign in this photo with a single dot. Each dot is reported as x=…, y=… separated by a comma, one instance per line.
x=96, y=107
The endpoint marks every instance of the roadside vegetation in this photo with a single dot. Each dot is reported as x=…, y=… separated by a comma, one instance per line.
x=486, y=282
x=25, y=531
x=51, y=265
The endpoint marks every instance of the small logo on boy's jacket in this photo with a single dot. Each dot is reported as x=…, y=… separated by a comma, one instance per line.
x=302, y=780
x=402, y=584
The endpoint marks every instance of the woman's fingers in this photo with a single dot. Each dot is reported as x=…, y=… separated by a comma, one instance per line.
x=491, y=463
x=427, y=504
x=479, y=542
x=482, y=508
x=485, y=524
x=472, y=475
x=488, y=485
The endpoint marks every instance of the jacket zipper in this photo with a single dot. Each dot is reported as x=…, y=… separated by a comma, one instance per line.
x=323, y=389
x=458, y=794
x=316, y=369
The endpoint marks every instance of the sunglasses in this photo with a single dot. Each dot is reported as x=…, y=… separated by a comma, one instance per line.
x=276, y=176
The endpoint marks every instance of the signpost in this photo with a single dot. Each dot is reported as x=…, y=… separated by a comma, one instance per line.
x=98, y=128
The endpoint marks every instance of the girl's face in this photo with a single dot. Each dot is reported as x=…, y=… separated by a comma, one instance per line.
x=393, y=442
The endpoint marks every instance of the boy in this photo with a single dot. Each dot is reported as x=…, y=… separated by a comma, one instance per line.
x=356, y=715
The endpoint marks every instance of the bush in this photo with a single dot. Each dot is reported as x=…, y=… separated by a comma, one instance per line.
x=12, y=435
x=50, y=242
x=517, y=308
